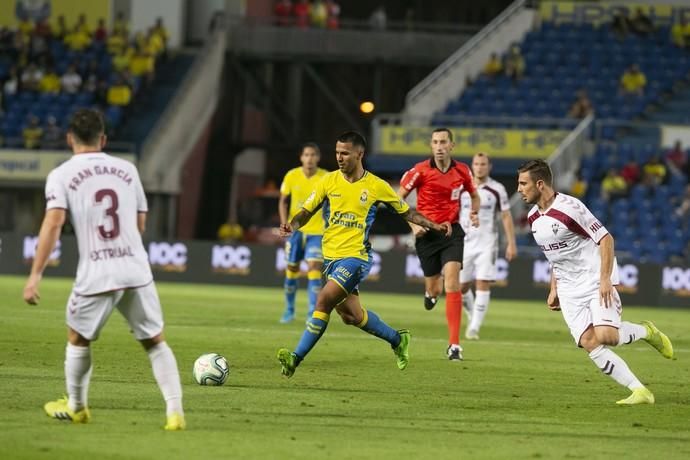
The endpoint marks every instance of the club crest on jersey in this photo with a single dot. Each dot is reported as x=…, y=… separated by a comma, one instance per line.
x=554, y=228
x=364, y=197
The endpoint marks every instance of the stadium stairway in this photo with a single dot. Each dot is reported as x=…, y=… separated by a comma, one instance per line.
x=149, y=107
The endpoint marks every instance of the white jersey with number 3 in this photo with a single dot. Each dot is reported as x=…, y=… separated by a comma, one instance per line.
x=103, y=195
x=569, y=234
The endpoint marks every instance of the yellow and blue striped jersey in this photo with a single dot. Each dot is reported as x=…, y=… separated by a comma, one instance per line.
x=299, y=186
x=349, y=210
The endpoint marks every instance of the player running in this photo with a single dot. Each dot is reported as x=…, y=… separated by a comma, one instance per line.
x=304, y=244
x=584, y=273
x=481, y=243
x=349, y=198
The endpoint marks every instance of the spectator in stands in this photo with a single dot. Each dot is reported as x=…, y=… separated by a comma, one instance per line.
x=71, y=80
x=78, y=40
x=119, y=94
x=121, y=26
x=32, y=133
x=579, y=187
x=677, y=159
x=680, y=33
x=620, y=24
x=378, y=18
x=283, y=12
x=50, y=82
x=631, y=173
x=11, y=85
x=301, y=13
x=654, y=171
x=613, y=185
x=318, y=14
x=31, y=77
x=83, y=26
x=53, y=137
x=142, y=65
x=122, y=59
x=333, y=10
x=101, y=33
x=116, y=43
x=155, y=44
x=515, y=63
x=683, y=209
x=494, y=66
x=25, y=27
x=633, y=81
x=641, y=24
x=582, y=106
x=61, y=29
x=161, y=31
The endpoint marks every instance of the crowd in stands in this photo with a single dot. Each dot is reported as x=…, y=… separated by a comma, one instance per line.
x=47, y=72
x=323, y=14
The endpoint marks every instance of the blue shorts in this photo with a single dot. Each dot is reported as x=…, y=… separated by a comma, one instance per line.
x=347, y=273
x=303, y=247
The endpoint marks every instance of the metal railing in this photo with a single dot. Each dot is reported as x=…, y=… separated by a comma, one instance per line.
x=460, y=55
x=564, y=161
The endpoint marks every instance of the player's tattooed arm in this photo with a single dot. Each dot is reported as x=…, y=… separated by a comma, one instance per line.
x=413, y=216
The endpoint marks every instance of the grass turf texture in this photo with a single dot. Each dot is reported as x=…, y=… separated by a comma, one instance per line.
x=523, y=391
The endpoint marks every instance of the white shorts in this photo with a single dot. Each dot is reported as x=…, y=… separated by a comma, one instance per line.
x=582, y=312
x=140, y=306
x=479, y=263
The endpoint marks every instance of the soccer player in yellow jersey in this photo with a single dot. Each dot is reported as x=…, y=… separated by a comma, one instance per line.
x=305, y=243
x=349, y=199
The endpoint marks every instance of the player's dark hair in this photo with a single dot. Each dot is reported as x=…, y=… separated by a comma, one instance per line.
x=312, y=145
x=87, y=125
x=538, y=170
x=354, y=138
x=444, y=130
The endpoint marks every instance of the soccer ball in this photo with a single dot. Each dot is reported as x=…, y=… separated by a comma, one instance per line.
x=211, y=369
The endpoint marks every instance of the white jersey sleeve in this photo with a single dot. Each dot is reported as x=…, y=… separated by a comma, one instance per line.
x=56, y=195
x=583, y=218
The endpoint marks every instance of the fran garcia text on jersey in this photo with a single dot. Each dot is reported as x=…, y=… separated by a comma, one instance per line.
x=97, y=170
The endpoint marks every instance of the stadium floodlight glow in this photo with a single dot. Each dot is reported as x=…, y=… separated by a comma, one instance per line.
x=367, y=107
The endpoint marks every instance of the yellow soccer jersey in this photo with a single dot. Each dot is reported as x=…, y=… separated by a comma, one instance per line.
x=349, y=210
x=299, y=186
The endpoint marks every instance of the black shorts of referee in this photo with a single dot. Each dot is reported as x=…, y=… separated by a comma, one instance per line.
x=434, y=249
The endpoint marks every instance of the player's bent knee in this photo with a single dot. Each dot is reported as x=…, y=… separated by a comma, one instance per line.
x=76, y=339
x=152, y=342
x=606, y=335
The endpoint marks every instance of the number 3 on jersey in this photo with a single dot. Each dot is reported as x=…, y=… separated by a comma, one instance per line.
x=114, y=231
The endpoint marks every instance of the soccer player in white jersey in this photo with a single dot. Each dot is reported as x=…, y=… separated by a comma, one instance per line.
x=107, y=207
x=584, y=273
x=481, y=243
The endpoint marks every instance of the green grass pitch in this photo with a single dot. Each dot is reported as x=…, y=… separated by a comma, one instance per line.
x=523, y=391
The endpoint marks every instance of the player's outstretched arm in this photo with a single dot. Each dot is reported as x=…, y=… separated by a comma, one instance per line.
x=416, y=218
x=417, y=230
x=605, y=287
x=47, y=238
x=297, y=222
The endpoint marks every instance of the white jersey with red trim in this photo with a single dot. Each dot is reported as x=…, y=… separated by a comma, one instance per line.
x=569, y=234
x=494, y=200
x=103, y=195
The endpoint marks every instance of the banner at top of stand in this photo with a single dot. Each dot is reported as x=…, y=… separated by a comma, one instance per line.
x=597, y=13
x=36, y=10
x=499, y=143
x=34, y=166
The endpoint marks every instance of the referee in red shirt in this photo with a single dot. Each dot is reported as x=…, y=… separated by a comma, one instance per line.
x=439, y=182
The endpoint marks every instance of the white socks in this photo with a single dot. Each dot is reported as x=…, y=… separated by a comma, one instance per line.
x=630, y=332
x=168, y=377
x=77, y=376
x=612, y=365
x=468, y=303
x=481, y=306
